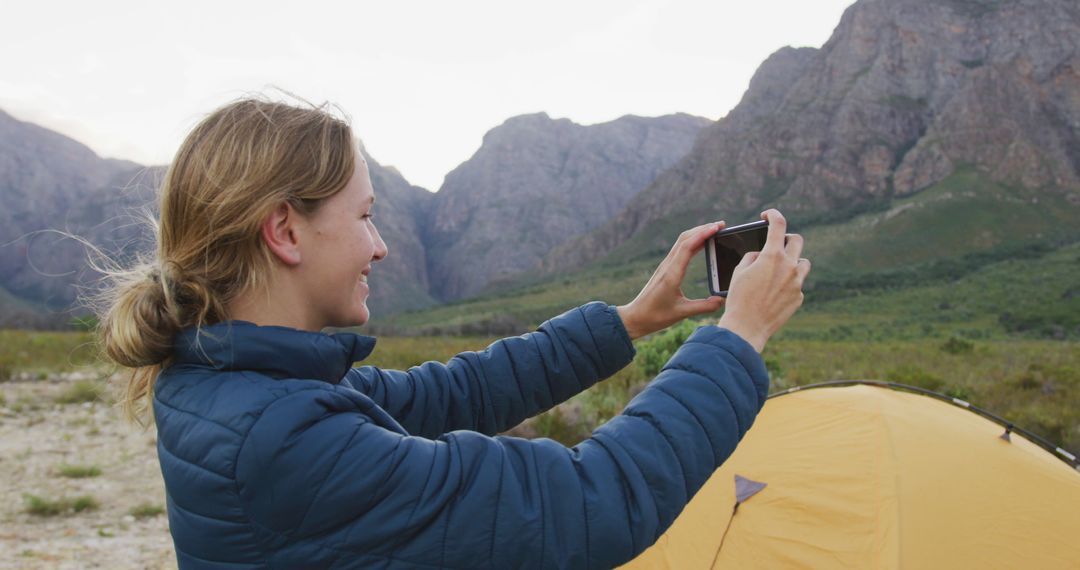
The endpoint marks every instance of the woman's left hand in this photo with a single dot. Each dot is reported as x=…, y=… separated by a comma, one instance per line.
x=662, y=303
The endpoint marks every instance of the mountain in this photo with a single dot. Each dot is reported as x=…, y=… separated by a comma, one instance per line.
x=905, y=96
x=50, y=183
x=400, y=281
x=537, y=182
x=540, y=180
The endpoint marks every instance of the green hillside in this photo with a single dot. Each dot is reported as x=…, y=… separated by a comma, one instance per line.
x=967, y=256
x=964, y=214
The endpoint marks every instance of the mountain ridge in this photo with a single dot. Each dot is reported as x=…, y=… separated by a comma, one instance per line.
x=898, y=97
x=53, y=177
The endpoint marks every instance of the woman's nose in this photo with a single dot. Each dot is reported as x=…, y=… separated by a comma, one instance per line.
x=380, y=245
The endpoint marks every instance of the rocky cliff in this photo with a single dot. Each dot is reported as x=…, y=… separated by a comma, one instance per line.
x=903, y=94
x=537, y=182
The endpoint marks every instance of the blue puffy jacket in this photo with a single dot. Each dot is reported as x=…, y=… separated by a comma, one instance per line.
x=277, y=454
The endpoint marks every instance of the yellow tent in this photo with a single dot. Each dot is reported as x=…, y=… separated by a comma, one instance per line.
x=865, y=476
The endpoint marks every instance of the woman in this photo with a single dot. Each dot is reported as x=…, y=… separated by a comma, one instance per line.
x=276, y=453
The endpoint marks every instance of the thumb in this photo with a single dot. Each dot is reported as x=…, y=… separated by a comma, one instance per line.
x=747, y=259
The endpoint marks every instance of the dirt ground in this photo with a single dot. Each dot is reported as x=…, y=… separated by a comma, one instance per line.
x=38, y=438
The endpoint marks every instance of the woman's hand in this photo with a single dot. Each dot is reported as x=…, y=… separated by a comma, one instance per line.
x=661, y=303
x=766, y=287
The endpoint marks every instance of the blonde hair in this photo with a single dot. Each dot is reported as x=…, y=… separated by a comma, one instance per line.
x=238, y=164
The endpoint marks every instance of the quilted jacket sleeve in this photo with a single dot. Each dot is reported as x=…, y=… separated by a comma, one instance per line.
x=513, y=379
x=376, y=498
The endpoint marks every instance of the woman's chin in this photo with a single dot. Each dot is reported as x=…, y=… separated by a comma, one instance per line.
x=361, y=316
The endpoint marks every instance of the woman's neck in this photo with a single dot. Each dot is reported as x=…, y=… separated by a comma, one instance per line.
x=278, y=305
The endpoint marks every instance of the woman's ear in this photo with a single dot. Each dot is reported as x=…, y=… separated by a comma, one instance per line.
x=279, y=231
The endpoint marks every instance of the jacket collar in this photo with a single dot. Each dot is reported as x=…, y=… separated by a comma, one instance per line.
x=278, y=352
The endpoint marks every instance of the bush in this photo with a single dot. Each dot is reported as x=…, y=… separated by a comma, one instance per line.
x=553, y=424
x=654, y=353
x=1044, y=422
x=1049, y=379
x=958, y=392
x=957, y=346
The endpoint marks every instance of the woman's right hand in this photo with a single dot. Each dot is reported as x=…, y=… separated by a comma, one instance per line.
x=766, y=287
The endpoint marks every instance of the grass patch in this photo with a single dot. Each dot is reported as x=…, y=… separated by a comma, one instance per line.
x=78, y=471
x=43, y=507
x=39, y=351
x=146, y=511
x=25, y=403
x=83, y=391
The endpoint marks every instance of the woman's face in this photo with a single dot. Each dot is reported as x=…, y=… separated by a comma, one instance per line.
x=344, y=244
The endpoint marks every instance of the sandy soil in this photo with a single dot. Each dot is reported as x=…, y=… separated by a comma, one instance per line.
x=37, y=437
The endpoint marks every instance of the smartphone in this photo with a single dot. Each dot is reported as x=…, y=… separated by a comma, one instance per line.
x=726, y=249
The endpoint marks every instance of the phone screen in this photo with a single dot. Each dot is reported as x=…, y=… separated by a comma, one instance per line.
x=727, y=249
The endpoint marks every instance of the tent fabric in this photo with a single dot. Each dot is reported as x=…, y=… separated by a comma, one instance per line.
x=868, y=477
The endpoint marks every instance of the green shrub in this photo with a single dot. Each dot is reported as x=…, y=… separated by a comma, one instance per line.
x=1047, y=423
x=957, y=346
x=958, y=392
x=654, y=353
x=553, y=424
x=774, y=366
x=79, y=471
x=146, y=510
x=1028, y=380
x=40, y=506
x=1049, y=379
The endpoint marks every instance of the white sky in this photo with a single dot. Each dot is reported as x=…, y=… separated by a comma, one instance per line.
x=422, y=80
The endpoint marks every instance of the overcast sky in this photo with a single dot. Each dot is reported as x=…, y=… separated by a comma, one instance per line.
x=422, y=80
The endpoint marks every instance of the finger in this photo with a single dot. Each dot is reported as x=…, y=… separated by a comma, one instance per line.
x=691, y=235
x=794, y=245
x=802, y=268
x=693, y=307
x=690, y=243
x=777, y=228
x=695, y=237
